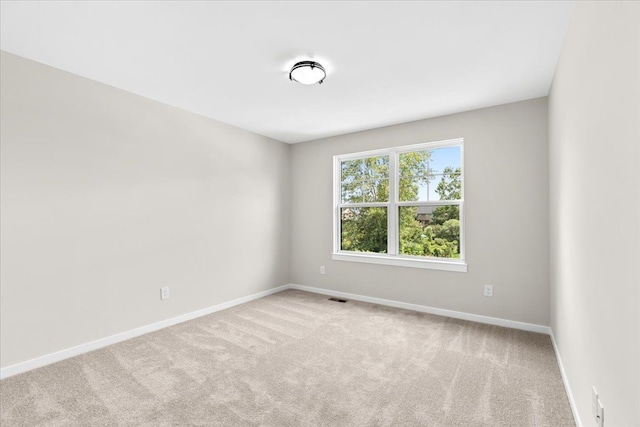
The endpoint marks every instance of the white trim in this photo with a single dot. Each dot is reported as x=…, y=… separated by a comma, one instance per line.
x=47, y=359
x=401, y=149
x=462, y=208
x=400, y=261
x=393, y=238
x=531, y=327
x=337, y=198
x=422, y=203
x=365, y=205
x=565, y=381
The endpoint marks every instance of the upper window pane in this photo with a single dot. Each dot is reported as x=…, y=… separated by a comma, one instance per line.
x=366, y=168
x=430, y=175
x=445, y=157
x=365, y=180
x=446, y=186
x=414, y=175
x=415, y=163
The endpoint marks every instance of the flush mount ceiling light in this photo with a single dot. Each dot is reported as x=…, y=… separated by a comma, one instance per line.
x=307, y=73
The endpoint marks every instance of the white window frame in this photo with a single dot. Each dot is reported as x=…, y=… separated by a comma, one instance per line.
x=393, y=257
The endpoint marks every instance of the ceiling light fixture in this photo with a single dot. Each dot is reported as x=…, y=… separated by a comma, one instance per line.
x=307, y=73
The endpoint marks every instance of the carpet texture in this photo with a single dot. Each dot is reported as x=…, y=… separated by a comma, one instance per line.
x=298, y=359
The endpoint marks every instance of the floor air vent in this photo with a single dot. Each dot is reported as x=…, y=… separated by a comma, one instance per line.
x=337, y=300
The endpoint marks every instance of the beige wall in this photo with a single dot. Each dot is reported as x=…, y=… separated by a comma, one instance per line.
x=506, y=190
x=594, y=135
x=108, y=196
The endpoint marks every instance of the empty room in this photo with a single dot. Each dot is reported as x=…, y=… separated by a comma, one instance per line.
x=320, y=213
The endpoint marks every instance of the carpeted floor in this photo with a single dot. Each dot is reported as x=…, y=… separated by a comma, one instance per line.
x=297, y=359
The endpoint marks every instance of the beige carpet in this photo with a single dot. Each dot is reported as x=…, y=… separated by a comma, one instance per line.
x=297, y=359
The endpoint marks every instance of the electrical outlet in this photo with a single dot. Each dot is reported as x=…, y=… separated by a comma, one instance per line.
x=594, y=403
x=488, y=290
x=600, y=416
x=164, y=292
x=322, y=270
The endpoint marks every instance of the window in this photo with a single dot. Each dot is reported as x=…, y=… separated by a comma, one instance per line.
x=401, y=206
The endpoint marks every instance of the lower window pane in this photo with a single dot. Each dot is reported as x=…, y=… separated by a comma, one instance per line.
x=363, y=229
x=432, y=231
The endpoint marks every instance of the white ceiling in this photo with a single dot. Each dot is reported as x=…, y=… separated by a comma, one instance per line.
x=387, y=62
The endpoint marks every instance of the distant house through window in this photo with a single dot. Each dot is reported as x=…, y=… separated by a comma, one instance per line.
x=401, y=206
x=424, y=215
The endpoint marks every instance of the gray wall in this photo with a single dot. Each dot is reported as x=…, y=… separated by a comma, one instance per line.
x=594, y=134
x=506, y=186
x=108, y=196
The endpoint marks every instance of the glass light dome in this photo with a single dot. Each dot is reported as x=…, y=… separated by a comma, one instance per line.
x=307, y=73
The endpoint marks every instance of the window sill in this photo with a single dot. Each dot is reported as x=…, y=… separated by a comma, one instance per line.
x=398, y=261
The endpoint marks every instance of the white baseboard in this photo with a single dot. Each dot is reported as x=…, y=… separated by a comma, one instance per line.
x=432, y=310
x=47, y=359
x=565, y=381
